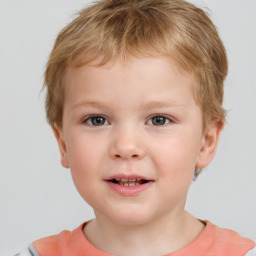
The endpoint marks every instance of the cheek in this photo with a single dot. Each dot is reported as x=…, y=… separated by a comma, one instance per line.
x=84, y=158
x=176, y=160
x=176, y=165
x=84, y=152
x=177, y=153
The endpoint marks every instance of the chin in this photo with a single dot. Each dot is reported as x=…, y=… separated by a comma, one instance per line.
x=131, y=218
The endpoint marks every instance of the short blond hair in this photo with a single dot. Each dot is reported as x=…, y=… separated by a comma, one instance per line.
x=116, y=29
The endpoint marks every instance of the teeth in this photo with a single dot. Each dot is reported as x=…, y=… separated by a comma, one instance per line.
x=129, y=182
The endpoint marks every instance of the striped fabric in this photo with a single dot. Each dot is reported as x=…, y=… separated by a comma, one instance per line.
x=30, y=251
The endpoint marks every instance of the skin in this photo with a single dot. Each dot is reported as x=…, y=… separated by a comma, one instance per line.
x=129, y=141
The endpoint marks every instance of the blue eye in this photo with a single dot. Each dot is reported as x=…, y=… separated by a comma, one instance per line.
x=96, y=121
x=159, y=120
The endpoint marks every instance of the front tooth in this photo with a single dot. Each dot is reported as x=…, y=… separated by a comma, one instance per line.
x=124, y=180
x=117, y=179
x=132, y=184
x=126, y=184
x=132, y=180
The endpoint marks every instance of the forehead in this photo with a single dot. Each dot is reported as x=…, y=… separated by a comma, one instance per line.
x=156, y=78
x=164, y=66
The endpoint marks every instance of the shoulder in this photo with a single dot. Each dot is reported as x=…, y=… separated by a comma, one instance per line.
x=54, y=244
x=231, y=243
x=64, y=243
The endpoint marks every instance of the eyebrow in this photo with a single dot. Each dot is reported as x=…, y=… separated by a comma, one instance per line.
x=145, y=105
x=164, y=104
x=91, y=103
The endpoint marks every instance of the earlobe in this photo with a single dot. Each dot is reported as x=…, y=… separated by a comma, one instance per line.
x=209, y=144
x=58, y=133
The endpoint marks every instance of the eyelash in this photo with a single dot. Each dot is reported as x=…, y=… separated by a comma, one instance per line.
x=89, y=120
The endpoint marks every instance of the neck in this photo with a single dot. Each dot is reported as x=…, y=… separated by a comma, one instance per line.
x=157, y=237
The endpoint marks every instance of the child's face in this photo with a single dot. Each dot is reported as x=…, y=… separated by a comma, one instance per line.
x=136, y=121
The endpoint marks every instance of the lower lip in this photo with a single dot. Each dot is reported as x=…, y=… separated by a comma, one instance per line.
x=129, y=190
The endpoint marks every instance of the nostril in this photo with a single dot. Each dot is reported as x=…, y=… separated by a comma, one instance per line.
x=124, y=151
x=133, y=156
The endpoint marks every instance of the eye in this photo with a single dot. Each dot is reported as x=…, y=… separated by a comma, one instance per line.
x=96, y=121
x=159, y=120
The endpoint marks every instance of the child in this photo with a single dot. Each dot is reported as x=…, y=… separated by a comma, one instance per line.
x=134, y=97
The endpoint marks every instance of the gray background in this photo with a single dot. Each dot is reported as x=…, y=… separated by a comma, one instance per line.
x=37, y=197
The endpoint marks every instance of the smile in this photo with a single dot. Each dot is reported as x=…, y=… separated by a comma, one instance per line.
x=129, y=186
x=129, y=182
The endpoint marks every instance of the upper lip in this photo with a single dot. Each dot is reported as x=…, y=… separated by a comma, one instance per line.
x=128, y=177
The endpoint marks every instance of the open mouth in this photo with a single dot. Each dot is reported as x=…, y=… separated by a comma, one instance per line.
x=129, y=182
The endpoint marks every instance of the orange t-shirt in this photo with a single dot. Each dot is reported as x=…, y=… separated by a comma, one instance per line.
x=212, y=241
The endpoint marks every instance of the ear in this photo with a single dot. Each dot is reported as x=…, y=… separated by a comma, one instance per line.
x=209, y=144
x=58, y=132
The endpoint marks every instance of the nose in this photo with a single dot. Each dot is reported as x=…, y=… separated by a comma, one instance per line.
x=126, y=145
